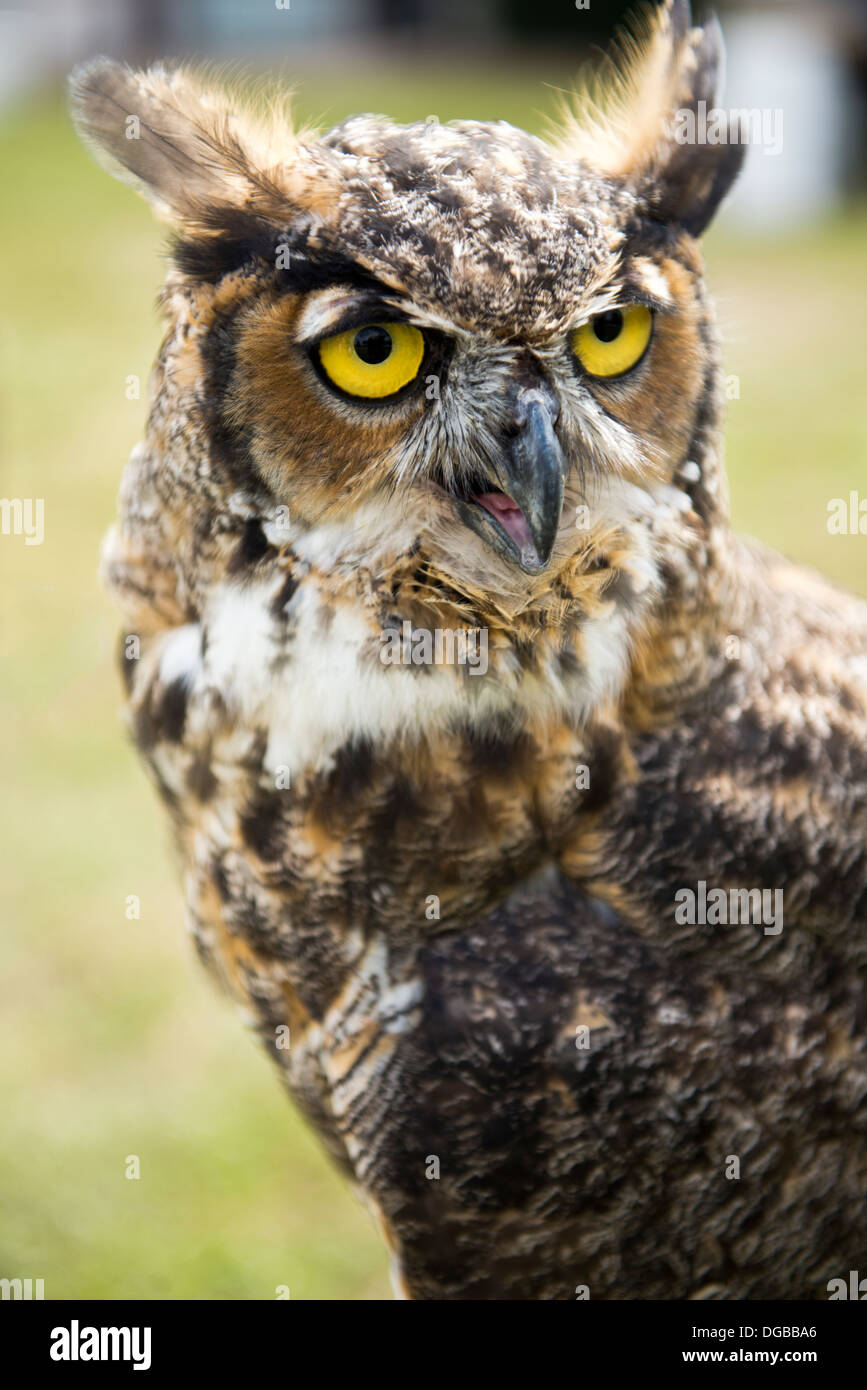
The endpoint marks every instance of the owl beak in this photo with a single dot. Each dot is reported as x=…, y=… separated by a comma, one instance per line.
x=521, y=521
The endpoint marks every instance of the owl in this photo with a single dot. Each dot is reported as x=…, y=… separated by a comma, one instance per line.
x=520, y=803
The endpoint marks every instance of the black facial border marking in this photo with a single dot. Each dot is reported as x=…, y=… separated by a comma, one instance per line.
x=229, y=445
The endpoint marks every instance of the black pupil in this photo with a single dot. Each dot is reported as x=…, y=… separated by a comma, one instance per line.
x=608, y=326
x=372, y=344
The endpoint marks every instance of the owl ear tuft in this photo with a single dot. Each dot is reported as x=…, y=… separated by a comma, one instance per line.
x=642, y=118
x=695, y=162
x=181, y=144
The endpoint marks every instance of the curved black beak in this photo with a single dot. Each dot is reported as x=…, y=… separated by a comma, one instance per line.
x=531, y=471
x=534, y=474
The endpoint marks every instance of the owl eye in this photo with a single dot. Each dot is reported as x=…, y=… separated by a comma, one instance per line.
x=374, y=361
x=613, y=342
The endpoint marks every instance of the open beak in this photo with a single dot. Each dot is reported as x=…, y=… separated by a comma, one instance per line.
x=520, y=516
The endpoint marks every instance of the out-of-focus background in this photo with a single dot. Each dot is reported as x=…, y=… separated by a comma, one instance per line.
x=112, y=1042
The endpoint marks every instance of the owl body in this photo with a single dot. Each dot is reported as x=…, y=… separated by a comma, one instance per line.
x=458, y=891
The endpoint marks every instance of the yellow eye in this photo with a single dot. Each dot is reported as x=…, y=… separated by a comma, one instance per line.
x=611, y=343
x=373, y=361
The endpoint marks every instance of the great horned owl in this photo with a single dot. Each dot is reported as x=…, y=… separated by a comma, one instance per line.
x=514, y=792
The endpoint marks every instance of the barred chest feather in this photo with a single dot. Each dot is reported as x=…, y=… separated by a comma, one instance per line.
x=284, y=741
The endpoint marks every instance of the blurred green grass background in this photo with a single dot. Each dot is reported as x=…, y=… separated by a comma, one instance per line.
x=112, y=1040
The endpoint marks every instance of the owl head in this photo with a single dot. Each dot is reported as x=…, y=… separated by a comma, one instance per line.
x=455, y=352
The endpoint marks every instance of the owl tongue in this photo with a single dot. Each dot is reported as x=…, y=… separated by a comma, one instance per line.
x=508, y=514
